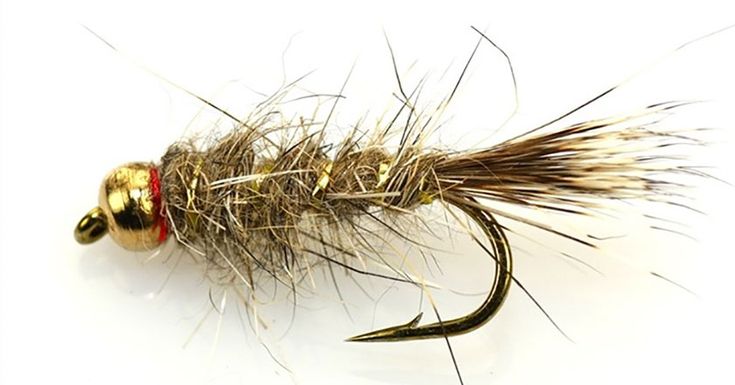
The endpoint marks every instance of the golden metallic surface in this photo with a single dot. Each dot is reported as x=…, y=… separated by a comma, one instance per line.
x=126, y=210
x=92, y=227
x=426, y=198
x=127, y=201
x=383, y=172
x=262, y=173
x=323, y=181
x=191, y=214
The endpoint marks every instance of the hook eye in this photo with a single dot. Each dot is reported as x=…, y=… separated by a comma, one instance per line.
x=92, y=227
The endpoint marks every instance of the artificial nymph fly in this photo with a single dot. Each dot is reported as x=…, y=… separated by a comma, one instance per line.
x=271, y=199
x=274, y=199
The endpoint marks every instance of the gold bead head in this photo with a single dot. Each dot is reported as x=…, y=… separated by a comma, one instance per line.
x=129, y=209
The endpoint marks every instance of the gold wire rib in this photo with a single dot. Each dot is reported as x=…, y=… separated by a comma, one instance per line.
x=324, y=178
x=192, y=214
x=469, y=322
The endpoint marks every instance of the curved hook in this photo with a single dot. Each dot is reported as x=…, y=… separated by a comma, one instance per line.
x=499, y=290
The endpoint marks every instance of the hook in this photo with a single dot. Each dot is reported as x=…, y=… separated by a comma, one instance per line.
x=92, y=227
x=499, y=290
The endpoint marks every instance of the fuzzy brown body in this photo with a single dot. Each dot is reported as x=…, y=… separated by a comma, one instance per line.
x=251, y=214
x=254, y=204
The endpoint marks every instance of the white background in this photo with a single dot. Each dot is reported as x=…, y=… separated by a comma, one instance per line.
x=71, y=109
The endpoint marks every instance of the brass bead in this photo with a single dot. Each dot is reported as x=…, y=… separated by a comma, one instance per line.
x=127, y=209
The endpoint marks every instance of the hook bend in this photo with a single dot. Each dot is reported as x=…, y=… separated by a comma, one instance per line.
x=501, y=253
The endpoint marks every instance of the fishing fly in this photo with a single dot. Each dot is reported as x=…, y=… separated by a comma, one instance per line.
x=274, y=200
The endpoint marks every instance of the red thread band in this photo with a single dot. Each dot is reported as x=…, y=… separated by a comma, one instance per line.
x=157, y=207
